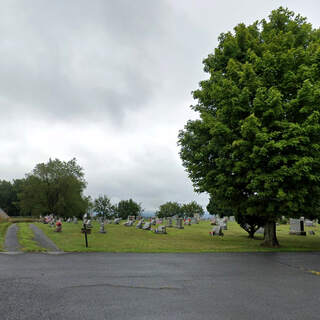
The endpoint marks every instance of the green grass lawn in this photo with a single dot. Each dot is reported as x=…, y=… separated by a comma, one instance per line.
x=193, y=238
x=3, y=229
x=25, y=237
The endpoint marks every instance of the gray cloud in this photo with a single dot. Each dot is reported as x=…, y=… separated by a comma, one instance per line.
x=109, y=82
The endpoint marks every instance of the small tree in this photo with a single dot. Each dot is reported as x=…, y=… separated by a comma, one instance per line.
x=103, y=207
x=126, y=208
x=169, y=209
x=191, y=208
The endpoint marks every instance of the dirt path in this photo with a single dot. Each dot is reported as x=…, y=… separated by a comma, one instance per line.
x=43, y=240
x=11, y=242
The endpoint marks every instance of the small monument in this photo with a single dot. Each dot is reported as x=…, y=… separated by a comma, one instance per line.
x=308, y=223
x=88, y=224
x=129, y=223
x=147, y=226
x=102, y=227
x=216, y=231
x=139, y=224
x=260, y=230
x=161, y=230
x=179, y=223
x=197, y=218
x=169, y=222
x=297, y=227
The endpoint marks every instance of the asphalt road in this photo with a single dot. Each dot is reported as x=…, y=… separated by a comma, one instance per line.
x=11, y=242
x=160, y=286
x=42, y=239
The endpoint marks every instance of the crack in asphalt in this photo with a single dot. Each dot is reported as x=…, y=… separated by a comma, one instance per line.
x=121, y=286
x=300, y=268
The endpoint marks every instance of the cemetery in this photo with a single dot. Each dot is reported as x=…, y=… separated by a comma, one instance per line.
x=206, y=235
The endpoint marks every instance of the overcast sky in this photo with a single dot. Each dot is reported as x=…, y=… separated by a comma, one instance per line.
x=109, y=82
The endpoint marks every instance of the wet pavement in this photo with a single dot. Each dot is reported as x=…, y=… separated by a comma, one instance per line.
x=42, y=240
x=160, y=286
x=11, y=242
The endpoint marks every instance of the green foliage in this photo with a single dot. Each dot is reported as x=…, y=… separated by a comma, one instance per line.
x=214, y=208
x=283, y=220
x=169, y=209
x=9, y=196
x=191, y=208
x=54, y=187
x=103, y=207
x=127, y=208
x=4, y=225
x=250, y=222
x=256, y=147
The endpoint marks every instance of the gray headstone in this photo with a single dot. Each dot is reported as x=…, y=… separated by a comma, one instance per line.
x=161, y=229
x=169, y=222
x=179, y=223
x=147, y=226
x=309, y=223
x=216, y=231
x=297, y=227
x=139, y=224
x=260, y=230
x=102, y=228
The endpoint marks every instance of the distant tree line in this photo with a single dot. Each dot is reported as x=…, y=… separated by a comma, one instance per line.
x=170, y=209
x=56, y=187
x=103, y=207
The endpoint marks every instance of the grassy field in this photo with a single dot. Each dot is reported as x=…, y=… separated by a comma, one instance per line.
x=193, y=238
x=25, y=237
x=3, y=229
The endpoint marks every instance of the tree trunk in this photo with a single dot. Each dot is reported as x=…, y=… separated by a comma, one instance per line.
x=270, y=236
x=251, y=232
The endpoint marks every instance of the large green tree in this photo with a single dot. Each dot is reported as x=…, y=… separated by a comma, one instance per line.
x=9, y=196
x=256, y=146
x=54, y=187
